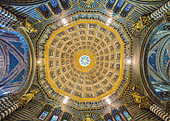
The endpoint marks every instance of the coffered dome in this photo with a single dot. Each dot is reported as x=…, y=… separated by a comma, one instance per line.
x=84, y=60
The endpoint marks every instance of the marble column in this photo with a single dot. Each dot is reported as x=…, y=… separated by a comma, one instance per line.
x=161, y=11
x=157, y=110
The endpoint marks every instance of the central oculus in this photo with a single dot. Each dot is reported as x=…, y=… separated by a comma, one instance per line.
x=84, y=60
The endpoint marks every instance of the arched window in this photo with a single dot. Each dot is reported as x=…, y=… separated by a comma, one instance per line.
x=110, y=4
x=126, y=10
x=44, y=11
x=65, y=4
x=55, y=6
x=119, y=6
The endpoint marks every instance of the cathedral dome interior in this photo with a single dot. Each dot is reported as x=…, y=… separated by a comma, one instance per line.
x=85, y=60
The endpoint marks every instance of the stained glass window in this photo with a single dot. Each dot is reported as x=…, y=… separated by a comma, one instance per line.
x=128, y=7
x=111, y=1
x=118, y=118
x=54, y=118
x=128, y=117
x=54, y=3
x=43, y=115
x=120, y=3
x=44, y=8
x=64, y=1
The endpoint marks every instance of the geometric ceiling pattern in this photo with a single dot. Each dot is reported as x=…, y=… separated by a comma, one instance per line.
x=85, y=60
x=67, y=46
x=158, y=61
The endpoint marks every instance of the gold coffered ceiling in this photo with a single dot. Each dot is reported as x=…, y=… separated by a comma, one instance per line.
x=84, y=59
x=64, y=49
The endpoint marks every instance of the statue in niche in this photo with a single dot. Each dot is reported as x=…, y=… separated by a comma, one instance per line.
x=30, y=27
x=88, y=2
x=142, y=23
x=143, y=101
x=88, y=118
x=25, y=99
